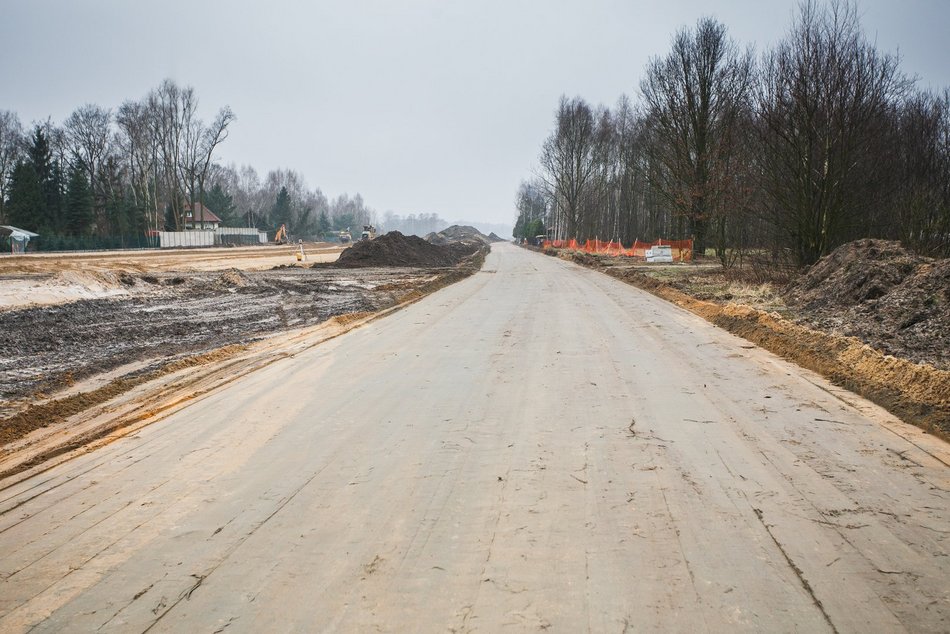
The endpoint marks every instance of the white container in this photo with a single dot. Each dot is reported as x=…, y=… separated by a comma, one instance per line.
x=660, y=253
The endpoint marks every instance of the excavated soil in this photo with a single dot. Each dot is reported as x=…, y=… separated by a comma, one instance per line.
x=458, y=233
x=880, y=293
x=173, y=315
x=395, y=249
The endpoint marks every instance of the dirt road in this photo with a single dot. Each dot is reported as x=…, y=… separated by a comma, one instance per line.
x=536, y=447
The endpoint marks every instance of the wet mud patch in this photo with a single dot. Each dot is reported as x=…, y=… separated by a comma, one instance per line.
x=44, y=349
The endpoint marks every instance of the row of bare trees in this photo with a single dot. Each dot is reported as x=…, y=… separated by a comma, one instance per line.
x=816, y=142
x=141, y=166
x=142, y=162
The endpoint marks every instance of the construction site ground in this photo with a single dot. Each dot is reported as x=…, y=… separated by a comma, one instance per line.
x=78, y=331
x=536, y=447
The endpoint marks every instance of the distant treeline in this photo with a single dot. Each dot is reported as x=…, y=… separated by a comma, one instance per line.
x=127, y=171
x=815, y=142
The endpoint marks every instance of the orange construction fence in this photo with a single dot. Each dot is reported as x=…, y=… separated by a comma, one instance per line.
x=682, y=249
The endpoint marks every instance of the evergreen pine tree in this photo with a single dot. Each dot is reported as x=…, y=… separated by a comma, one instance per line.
x=47, y=215
x=55, y=194
x=222, y=205
x=280, y=213
x=79, y=211
x=25, y=198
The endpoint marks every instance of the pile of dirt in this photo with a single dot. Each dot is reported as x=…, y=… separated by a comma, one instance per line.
x=396, y=249
x=233, y=278
x=880, y=293
x=493, y=237
x=458, y=233
x=584, y=259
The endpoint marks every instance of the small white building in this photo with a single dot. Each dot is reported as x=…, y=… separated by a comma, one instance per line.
x=19, y=238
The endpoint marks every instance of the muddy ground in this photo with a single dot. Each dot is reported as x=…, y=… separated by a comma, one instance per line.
x=170, y=315
x=106, y=325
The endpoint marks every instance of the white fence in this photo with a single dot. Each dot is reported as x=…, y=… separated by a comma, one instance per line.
x=172, y=239
x=209, y=238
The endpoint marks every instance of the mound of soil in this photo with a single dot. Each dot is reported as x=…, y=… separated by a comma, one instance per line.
x=395, y=249
x=233, y=278
x=458, y=233
x=859, y=271
x=879, y=292
x=584, y=259
x=493, y=237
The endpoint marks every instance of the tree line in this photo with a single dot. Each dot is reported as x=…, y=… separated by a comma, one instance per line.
x=140, y=167
x=788, y=154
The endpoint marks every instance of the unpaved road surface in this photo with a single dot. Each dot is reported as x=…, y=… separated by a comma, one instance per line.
x=536, y=447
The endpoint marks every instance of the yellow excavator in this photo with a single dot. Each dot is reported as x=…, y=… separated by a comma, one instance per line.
x=281, y=236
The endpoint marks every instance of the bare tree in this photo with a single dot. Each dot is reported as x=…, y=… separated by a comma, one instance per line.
x=185, y=146
x=692, y=99
x=923, y=160
x=11, y=151
x=200, y=142
x=567, y=163
x=532, y=205
x=88, y=134
x=824, y=100
x=169, y=108
x=139, y=150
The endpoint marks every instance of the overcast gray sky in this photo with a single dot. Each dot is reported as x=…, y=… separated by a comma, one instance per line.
x=419, y=105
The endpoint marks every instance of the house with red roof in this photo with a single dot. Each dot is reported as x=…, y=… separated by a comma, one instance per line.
x=200, y=218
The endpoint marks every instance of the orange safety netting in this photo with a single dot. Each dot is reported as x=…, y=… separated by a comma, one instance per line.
x=682, y=250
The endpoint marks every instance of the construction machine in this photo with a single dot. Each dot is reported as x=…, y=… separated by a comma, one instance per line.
x=281, y=236
x=369, y=233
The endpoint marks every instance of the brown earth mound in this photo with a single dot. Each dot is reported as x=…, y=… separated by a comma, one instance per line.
x=458, y=233
x=493, y=237
x=877, y=291
x=395, y=249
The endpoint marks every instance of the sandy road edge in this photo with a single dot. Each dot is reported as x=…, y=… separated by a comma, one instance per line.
x=169, y=392
x=907, y=393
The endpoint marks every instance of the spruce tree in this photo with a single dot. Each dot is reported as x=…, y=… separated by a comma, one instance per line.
x=26, y=197
x=79, y=211
x=280, y=213
x=324, y=222
x=222, y=205
x=47, y=215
